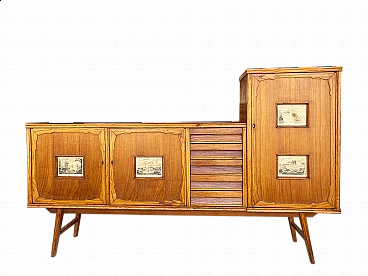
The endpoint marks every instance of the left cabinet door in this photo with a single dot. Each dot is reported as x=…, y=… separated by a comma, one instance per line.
x=68, y=166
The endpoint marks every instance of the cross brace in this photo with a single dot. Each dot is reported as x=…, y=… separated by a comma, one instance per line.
x=58, y=230
x=304, y=233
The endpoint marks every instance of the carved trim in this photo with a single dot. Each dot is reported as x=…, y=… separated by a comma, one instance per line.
x=68, y=202
x=41, y=131
x=183, y=194
x=338, y=138
x=263, y=77
x=34, y=138
x=29, y=166
x=146, y=130
x=244, y=169
x=322, y=205
x=298, y=70
x=188, y=173
x=150, y=203
x=113, y=136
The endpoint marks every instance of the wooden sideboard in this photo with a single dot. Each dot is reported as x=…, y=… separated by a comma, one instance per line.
x=281, y=159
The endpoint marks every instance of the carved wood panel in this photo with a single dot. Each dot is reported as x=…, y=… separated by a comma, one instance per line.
x=48, y=186
x=317, y=141
x=126, y=145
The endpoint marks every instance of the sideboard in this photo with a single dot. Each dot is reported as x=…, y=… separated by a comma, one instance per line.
x=281, y=159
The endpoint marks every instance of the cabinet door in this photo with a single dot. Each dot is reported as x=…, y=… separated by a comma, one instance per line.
x=68, y=166
x=293, y=140
x=148, y=166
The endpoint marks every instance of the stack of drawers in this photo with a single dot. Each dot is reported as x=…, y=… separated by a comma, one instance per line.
x=216, y=158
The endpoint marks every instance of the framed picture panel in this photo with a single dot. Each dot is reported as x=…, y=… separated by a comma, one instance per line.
x=292, y=114
x=292, y=166
x=149, y=166
x=70, y=166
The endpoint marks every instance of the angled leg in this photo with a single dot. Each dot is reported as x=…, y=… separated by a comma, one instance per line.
x=308, y=244
x=76, y=225
x=57, y=230
x=293, y=233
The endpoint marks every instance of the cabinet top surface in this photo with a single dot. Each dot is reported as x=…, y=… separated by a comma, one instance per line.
x=290, y=70
x=136, y=124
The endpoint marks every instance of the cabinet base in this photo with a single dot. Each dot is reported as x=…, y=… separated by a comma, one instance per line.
x=58, y=230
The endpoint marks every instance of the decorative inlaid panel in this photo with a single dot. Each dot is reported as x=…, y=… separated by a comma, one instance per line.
x=69, y=166
x=158, y=183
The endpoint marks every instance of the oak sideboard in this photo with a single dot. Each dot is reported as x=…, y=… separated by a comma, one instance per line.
x=281, y=159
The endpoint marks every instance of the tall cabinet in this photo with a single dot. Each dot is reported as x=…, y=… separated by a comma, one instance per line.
x=293, y=137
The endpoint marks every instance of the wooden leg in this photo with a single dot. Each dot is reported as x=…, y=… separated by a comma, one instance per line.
x=57, y=229
x=293, y=233
x=308, y=244
x=76, y=225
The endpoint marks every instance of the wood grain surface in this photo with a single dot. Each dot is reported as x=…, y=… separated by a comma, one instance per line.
x=318, y=141
x=216, y=166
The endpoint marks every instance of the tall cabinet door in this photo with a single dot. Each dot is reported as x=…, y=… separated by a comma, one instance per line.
x=293, y=140
x=69, y=166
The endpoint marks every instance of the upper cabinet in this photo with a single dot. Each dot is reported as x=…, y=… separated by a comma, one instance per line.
x=293, y=137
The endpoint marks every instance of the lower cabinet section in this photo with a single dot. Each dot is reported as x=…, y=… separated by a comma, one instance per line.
x=162, y=170
x=155, y=166
x=168, y=165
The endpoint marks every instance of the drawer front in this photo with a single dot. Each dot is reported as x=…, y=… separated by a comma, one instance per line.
x=216, y=166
